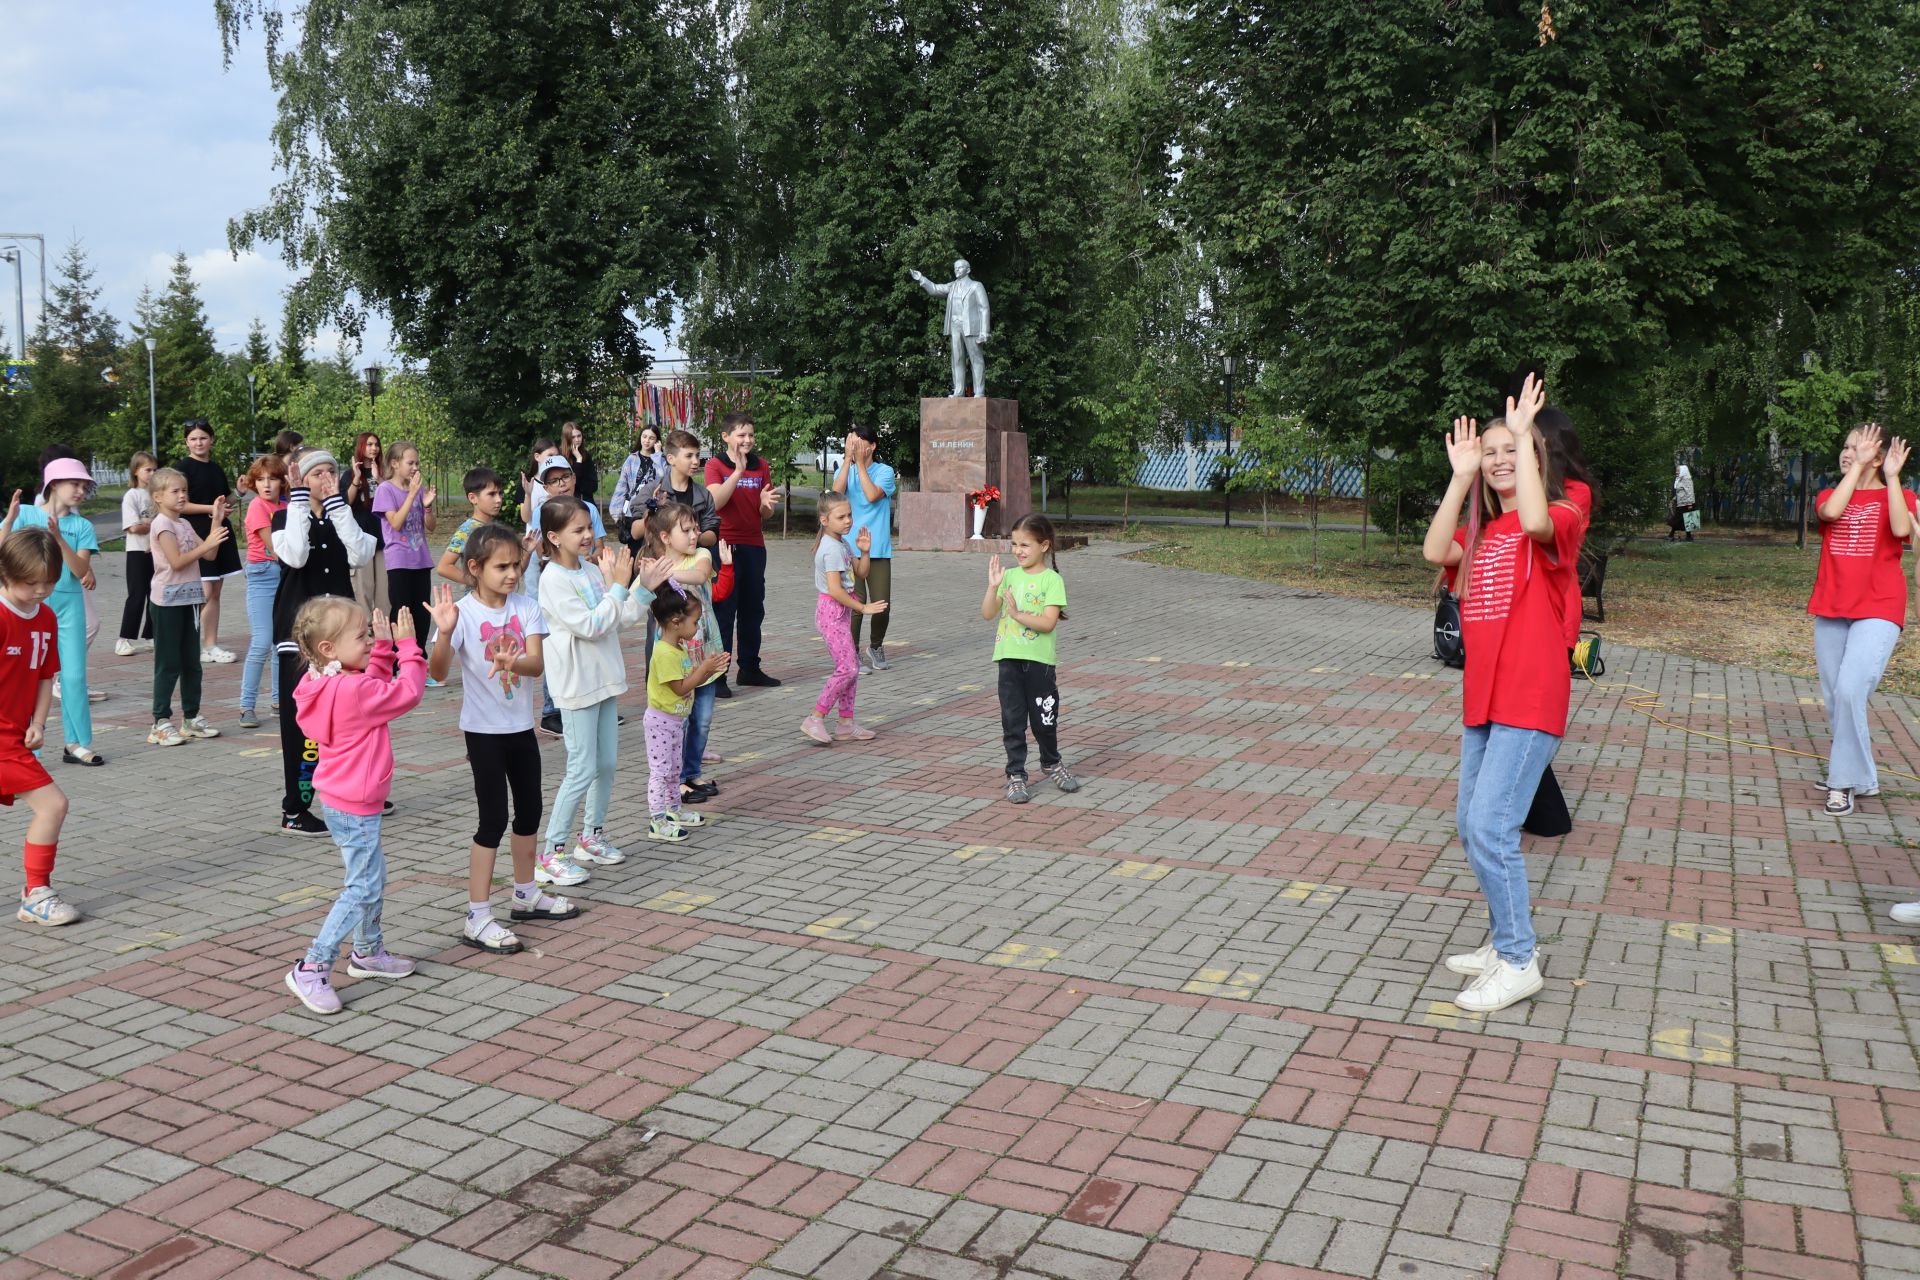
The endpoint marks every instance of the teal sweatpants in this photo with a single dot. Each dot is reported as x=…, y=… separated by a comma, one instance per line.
x=76, y=715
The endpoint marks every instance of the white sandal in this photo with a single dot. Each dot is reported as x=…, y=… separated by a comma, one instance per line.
x=495, y=939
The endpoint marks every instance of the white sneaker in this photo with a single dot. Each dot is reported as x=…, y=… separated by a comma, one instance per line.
x=1905, y=913
x=1501, y=985
x=593, y=847
x=198, y=728
x=216, y=655
x=123, y=648
x=1473, y=963
x=551, y=866
x=144, y=646
x=165, y=735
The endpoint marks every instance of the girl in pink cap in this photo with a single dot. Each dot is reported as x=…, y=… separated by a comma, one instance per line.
x=63, y=487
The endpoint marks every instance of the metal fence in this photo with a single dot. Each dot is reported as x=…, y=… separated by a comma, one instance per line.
x=1193, y=468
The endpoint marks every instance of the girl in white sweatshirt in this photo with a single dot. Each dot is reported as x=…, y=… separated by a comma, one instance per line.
x=586, y=606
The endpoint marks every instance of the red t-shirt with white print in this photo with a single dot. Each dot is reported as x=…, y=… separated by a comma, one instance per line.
x=1859, y=574
x=1513, y=622
x=1580, y=494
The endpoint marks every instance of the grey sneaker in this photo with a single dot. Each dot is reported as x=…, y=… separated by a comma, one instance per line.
x=1060, y=778
x=1017, y=789
x=866, y=662
x=248, y=720
x=879, y=655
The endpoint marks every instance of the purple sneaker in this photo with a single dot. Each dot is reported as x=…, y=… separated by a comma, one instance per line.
x=378, y=965
x=314, y=988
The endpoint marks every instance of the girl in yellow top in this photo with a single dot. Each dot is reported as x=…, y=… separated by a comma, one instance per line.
x=672, y=678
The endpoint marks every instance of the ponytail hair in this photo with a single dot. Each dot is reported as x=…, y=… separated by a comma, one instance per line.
x=1040, y=529
x=828, y=503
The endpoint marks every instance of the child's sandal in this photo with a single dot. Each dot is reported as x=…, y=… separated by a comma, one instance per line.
x=496, y=940
x=556, y=909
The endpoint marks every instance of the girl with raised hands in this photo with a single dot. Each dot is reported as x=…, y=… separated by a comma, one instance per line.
x=1516, y=560
x=1859, y=603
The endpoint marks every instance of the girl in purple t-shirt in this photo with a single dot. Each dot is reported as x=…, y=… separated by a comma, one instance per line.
x=404, y=503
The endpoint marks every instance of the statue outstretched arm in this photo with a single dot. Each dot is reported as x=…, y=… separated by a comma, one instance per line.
x=937, y=290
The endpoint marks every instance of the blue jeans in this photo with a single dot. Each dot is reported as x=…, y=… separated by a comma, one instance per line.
x=1852, y=655
x=70, y=632
x=357, y=909
x=593, y=749
x=263, y=580
x=1500, y=769
x=699, y=724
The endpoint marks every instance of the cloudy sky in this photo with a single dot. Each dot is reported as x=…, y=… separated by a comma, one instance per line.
x=122, y=129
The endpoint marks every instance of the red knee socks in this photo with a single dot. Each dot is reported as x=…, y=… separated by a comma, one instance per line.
x=39, y=859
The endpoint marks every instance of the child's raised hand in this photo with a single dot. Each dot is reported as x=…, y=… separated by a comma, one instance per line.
x=769, y=499
x=878, y=606
x=382, y=629
x=653, y=574
x=220, y=509
x=403, y=625
x=215, y=537
x=444, y=612
x=322, y=486
x=714, y=664
x=1896, y=459
x=864, y=540
x=1520, y=412
x=1463, y=447
x=13, y=508
x=427, y=498
x=995, y=573
x=726, y=549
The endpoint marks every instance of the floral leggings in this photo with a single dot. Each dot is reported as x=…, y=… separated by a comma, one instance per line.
x=666, y=736
x=835, y=621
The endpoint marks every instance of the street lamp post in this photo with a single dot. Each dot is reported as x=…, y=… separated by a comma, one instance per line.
x=373, y=373
x=253, y=417
x=153, y=412
x=1226, y=490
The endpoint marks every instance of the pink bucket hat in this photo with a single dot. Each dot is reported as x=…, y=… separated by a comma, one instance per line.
x=67, y=469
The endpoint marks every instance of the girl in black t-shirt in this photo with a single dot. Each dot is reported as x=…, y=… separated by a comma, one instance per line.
x=206, y=481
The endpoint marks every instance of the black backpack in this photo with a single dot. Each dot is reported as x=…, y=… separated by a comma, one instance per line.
x=1448, y=644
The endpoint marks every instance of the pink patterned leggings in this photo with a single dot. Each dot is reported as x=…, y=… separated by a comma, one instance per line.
x=835, y=621
x=666, y=734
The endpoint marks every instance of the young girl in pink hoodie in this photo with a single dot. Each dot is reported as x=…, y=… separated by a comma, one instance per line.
x=346, y=700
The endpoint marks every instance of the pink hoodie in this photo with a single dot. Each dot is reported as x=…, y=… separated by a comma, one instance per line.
x=347, y=715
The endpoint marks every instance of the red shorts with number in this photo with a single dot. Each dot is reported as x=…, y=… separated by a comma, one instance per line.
x=20, y=772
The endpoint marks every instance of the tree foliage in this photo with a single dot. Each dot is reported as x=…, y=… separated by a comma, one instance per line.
x=513, y=184
x=76, y=344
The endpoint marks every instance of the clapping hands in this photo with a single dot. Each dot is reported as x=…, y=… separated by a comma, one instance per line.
x=382, y=629
x=616, y=564
x=402, y=625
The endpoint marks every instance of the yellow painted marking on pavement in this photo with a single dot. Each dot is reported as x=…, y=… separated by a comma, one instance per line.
x=1709, y=697
x=840, y=928
x=1449, y=1016
x=1708, y=934
x=1322, y=671
x=1141, y=871
x=1314, y=895
x=1023, y=955
x=1688, y=1045
x=835, y=835
x=984, y=852
x=1812, y=702
x=256, y=753
x=1416, y=675
x=676, y=902
x=307, y=894
x=1236, y=664
x=1898, y=953
x=1155, y=658
x=924, y=702
x=1228, y=984
x=968, y=688
x=154, y=939
x=743, y=757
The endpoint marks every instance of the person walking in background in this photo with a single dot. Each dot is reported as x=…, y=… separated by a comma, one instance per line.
x=870, y=486
x=207, y=484
x=269, y=476
x=1683, y=504
x=136, y=509
x=1859, y=603
x=364, y=475
x=741, y=483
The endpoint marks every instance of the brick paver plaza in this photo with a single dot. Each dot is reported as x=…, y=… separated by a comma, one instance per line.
x=1189, y=1022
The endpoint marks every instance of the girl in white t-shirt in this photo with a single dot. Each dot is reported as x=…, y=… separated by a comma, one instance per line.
x=136, y=510
x=496, y=633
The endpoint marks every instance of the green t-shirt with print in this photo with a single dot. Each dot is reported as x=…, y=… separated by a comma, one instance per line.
x=1032, y=593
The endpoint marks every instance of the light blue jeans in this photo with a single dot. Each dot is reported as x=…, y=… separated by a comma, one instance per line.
x=263, y=580
x=1500, y=769
x=699, y=724
x=593, y=749
x=70, y=622
x=1852, y=655
x=357, y=909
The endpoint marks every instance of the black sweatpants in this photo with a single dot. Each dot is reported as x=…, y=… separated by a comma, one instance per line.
x=748, y=604
x=299, y=754
x=412, y=589
x=1029, y=698
x=505, y=764
x=135, y=622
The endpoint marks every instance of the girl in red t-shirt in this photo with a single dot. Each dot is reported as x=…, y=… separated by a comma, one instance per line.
x=1859, y=600
x=1516, y=558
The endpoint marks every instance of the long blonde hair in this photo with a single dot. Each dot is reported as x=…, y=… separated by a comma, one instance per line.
x=1486, y=497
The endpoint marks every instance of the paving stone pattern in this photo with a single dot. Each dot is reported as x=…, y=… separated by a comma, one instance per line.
x=875, y=1022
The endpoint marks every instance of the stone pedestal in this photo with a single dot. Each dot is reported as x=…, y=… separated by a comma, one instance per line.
x=966, y=443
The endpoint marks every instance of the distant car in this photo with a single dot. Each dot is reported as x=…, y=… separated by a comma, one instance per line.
x=827, y=458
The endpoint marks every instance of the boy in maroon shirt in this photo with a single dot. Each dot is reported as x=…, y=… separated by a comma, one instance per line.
x=741, y=483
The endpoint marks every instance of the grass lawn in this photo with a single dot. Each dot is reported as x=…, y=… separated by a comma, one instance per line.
x=1106, y=500
x=1729, y=599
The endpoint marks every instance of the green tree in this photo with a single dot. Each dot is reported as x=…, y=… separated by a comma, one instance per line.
x=1815, y=407
x=1417, y=199
x=76, y=344
x=789, y=417
x=513, y=184
x=870, y=138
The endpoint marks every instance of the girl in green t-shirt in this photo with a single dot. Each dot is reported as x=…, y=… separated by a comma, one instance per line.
x=1028, y=602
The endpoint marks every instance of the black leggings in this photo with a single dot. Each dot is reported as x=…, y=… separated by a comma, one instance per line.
x=505, y=763
x=412, y=589
x=299, y=754
x=135, y=622
x=1029, y=696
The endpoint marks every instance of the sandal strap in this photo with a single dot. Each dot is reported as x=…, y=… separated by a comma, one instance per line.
x=495, y=934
